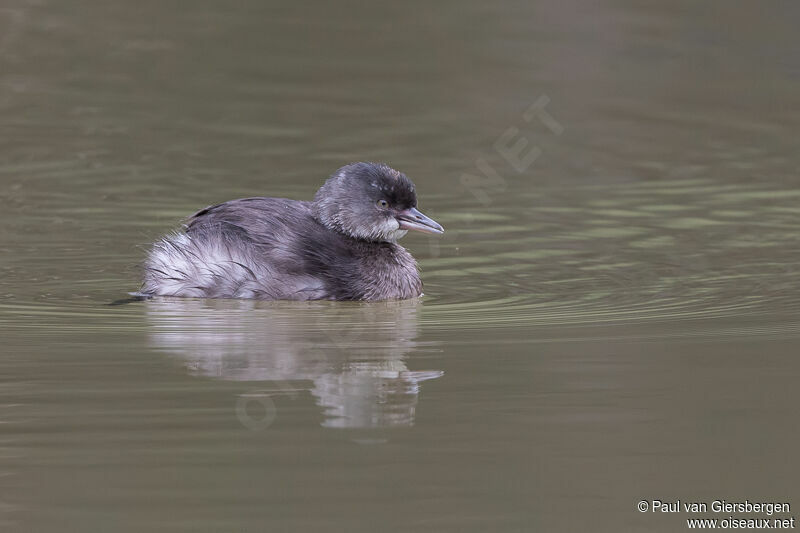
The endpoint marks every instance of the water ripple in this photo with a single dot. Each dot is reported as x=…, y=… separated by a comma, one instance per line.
x=630, y=253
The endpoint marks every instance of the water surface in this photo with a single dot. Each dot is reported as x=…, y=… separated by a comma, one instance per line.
x=610, y=317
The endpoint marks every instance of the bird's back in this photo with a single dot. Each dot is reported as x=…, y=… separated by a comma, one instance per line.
x=275, y=249
x=238, y=249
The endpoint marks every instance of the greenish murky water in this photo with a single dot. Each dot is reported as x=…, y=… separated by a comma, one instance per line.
x=611, y=316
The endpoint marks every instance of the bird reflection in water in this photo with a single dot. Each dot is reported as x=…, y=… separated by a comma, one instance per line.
x=353, y=354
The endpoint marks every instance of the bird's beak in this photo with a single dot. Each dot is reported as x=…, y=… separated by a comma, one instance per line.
x=411, y=219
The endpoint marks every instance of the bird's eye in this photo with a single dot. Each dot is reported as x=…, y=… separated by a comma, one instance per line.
x=383, y=203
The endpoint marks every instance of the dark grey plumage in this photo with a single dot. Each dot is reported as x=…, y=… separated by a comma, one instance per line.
x=341, y=246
